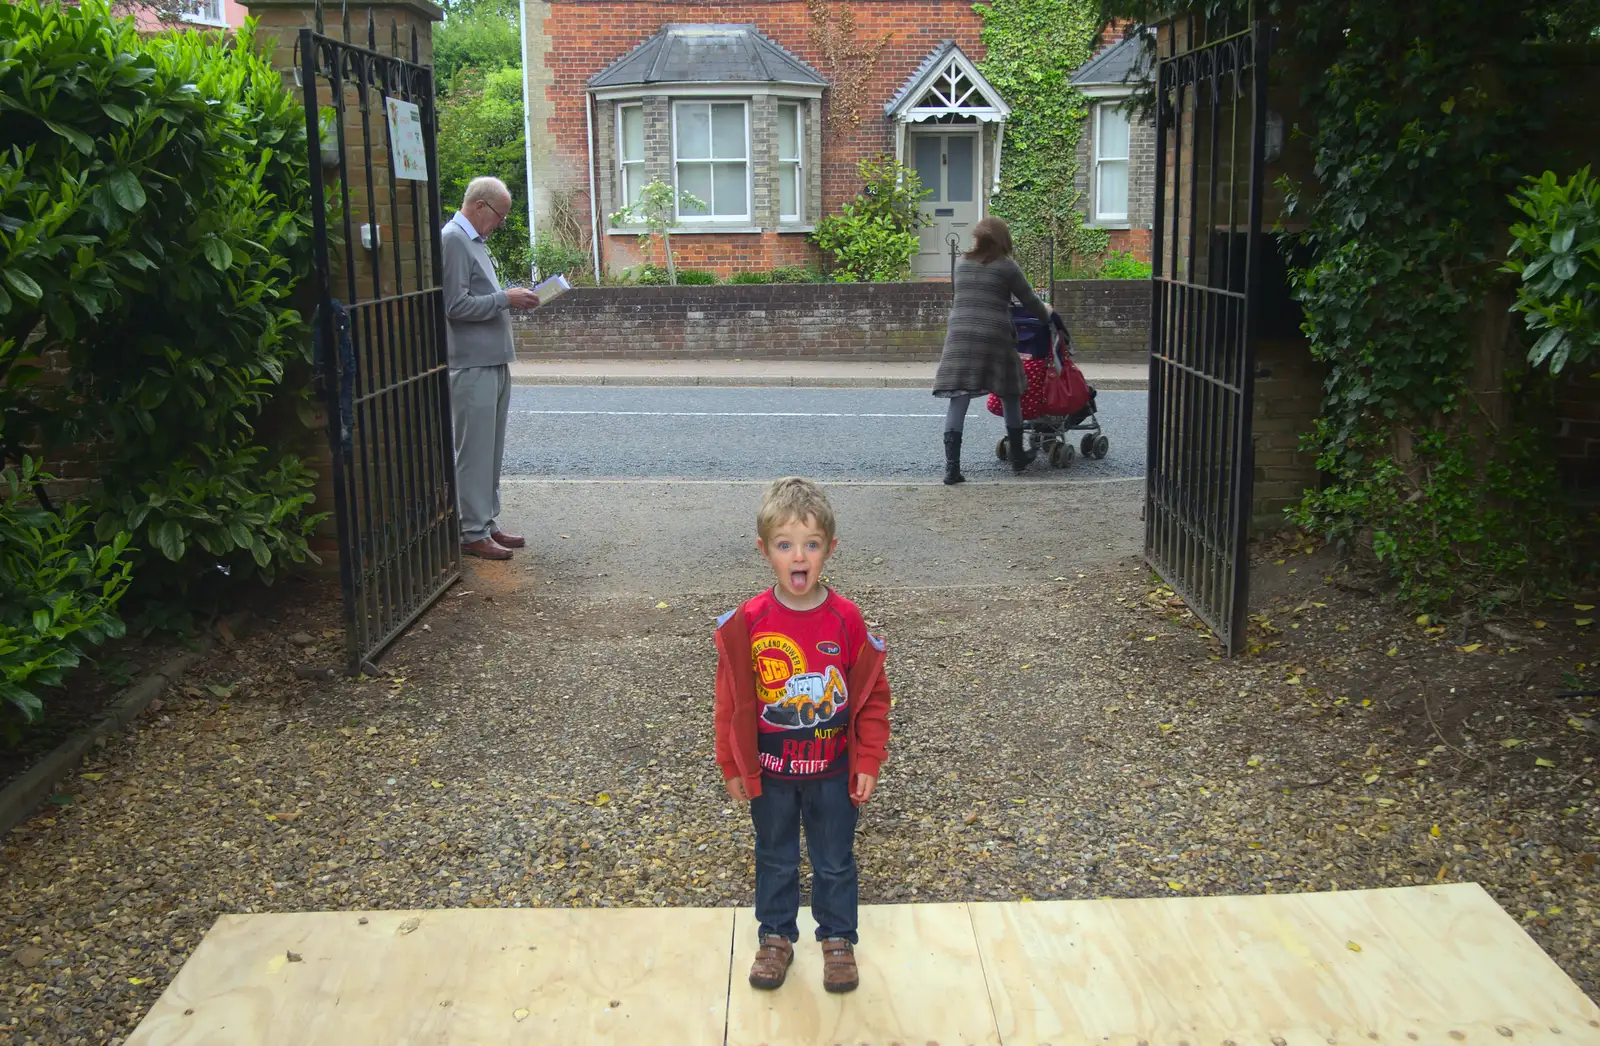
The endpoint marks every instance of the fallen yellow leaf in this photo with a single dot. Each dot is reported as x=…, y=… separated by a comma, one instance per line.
x=661, y=605
x=1538, y=624
x=1370, y=778
x=91, y=777
x=1511, y=742
x=436, y=784
x=137, y=980
x=1393, y=651
x=1583, y=606
x=1434, y=831
x=1352, y=945
x=520, y=1015
x=1174, y=886
x=1541, y=761
x=1470, y=648
x=602, y=799
x=1584, y=622
x=1424, y=620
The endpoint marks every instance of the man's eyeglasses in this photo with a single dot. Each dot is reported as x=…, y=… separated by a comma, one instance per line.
x=492, y=208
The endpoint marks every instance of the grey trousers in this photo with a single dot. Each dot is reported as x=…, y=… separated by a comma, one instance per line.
x=480, y=398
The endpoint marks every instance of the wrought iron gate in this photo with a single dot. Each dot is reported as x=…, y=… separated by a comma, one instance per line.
x=1206, y=248
x=379, y=329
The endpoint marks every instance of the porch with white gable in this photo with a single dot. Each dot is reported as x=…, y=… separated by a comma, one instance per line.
x=949, y=127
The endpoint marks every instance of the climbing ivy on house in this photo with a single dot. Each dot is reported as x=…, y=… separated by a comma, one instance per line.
x=1031, y=48
x=1423, y=119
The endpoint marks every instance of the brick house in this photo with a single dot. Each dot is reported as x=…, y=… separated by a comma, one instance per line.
x=762, y=109
x=1117, y=149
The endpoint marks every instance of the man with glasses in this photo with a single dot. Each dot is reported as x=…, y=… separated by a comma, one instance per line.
x=478, y=333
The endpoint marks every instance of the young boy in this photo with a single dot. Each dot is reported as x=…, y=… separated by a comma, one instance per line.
x=802, y=716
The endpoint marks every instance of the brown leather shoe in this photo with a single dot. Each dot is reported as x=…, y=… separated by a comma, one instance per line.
x=772, y=962
x=485, y=548
x=839, y=965
x=505, y=540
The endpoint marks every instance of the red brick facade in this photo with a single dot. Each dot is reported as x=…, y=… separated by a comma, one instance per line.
x=585, y=36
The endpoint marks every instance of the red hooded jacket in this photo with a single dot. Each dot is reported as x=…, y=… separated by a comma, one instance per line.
x=738, y=707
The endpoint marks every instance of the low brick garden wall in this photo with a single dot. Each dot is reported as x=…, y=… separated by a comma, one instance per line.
x=873, y=322
x=870, y=322
x=1109, y=319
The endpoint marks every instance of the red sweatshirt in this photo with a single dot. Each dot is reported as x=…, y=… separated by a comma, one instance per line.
x=739, y=707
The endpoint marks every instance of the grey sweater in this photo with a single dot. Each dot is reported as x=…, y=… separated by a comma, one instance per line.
x=477, y=314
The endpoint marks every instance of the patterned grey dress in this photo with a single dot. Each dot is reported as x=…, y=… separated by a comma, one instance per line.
x=980, y=345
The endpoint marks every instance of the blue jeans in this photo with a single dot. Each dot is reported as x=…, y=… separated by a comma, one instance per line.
x=829, y=817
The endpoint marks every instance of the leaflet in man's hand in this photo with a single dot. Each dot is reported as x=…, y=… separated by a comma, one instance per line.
x=551, y=288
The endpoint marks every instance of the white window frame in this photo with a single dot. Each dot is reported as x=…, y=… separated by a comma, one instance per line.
x=1101, y=215
x=797, y=161
x=622, y=163
x=203, y=12
x=712, y=217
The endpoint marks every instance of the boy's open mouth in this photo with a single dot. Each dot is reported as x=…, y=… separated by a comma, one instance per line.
x=797, y=578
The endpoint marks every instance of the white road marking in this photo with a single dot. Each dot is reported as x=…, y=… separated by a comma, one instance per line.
x=529, y=481
x=722, y=414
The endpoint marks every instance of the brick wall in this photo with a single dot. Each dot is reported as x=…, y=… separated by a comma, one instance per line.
x=571, y=40
x=1109, y=319
x=1578, y=439
x=1288, y=398
x=865, y=322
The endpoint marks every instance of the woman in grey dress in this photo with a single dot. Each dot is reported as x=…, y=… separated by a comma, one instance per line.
x=980, y=344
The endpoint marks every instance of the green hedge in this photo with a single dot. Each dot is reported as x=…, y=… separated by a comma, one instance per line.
x=155, y=217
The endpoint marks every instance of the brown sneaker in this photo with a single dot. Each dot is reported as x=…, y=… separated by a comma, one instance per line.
x=772, y=962
x=839, y=965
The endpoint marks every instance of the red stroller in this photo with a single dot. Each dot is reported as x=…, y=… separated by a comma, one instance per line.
x=1058, y=401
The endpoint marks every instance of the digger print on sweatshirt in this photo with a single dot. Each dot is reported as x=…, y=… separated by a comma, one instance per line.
x=801, y=659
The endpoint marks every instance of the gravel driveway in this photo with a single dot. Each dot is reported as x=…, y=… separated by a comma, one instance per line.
x=550, y=744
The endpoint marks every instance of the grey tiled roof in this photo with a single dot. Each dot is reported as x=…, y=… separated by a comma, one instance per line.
x=1125, y=62
x=937, y=55
x=685, y=53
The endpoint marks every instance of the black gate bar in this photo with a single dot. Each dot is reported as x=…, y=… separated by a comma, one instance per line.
x=382, y=362
x=1200, y=456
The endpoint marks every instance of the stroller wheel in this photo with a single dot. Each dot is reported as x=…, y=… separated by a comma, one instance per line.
x=1062, y=455
x=1102, y=446
x=1000, y=449
x=1086, y=445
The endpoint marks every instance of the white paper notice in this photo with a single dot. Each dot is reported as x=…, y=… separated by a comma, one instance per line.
x=405, y=140
x=550, y=288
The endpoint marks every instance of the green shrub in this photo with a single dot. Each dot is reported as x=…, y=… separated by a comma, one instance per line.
x=157, y=219
x=696, y=278
x=1557, y=253
x=58, y=594
x=874, y=237
x=481, y=132
x=648, y=276
x=553, y=257
x=750, y=277
x=1120, y=265
x=794, y=274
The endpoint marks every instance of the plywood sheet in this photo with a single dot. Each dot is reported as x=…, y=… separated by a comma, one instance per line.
x=455, y=977
x=920, y=983
x=1436, y=966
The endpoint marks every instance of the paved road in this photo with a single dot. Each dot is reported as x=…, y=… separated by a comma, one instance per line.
x=891, y=435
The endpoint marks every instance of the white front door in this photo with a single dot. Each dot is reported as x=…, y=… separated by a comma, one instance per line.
x=946, y=160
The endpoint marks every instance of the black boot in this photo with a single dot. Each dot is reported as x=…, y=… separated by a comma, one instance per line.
x=952, y=458
x=1020, y=458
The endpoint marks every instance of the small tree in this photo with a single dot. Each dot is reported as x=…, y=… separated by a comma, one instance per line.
x=874, y=237
x=657, y=211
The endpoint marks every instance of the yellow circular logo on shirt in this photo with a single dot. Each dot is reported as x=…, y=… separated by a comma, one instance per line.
x=776, y=658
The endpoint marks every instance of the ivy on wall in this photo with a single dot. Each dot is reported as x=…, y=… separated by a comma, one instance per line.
x=848, y=61
x=1434, y=440
x=1031, y=48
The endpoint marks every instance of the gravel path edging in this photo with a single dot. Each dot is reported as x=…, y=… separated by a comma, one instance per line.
x=22, y=797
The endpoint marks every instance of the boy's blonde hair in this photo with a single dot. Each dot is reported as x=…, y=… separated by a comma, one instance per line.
x=793, y=499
